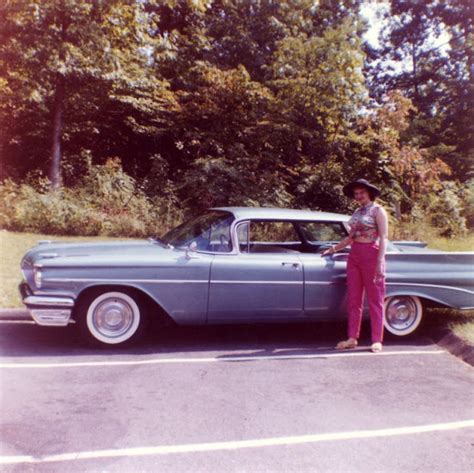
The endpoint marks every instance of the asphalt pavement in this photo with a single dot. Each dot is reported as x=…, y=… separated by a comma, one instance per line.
x=232, y=399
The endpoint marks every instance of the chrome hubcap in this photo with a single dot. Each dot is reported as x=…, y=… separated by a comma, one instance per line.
x=401, y=313
x=113, y=317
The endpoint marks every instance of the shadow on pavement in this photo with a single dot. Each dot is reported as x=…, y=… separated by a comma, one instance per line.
x=26, y=340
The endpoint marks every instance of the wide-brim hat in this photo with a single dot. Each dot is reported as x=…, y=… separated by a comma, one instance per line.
x=348, y=189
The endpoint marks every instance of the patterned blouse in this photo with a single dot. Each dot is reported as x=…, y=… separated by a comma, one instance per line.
x=363, y=223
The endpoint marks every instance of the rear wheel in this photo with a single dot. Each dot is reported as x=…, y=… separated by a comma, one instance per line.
x=403, y=314
x=111, y=318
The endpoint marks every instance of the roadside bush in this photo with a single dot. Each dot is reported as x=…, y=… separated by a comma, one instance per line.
x=446, y=209
x=468, y=199
x=107, y=201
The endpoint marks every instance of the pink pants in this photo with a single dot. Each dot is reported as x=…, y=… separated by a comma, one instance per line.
x=361, y=266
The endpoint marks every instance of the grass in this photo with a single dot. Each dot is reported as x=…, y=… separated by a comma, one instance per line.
x=461, y=322
x=13, y=246
x=449, y=244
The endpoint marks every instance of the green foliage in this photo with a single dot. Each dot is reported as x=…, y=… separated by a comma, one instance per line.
x=160, y=108
x=410, y=170
x=427, y=52
x=446, y=211
x=106, y=202
x=467, y=197
x=79, y=69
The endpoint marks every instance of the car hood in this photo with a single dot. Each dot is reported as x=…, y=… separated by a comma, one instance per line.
x=56, y=253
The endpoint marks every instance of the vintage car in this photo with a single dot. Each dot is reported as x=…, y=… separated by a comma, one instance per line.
x=231, y=265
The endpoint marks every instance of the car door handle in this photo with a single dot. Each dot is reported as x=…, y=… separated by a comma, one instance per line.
x=290, y=263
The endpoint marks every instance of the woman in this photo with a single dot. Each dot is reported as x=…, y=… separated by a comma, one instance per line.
x=366, y=262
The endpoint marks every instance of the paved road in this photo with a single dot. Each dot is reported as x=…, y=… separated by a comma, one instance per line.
x=232, y=399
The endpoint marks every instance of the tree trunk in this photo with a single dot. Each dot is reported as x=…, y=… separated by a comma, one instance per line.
x=415, y=73
x=58, y=120
x=58, y=106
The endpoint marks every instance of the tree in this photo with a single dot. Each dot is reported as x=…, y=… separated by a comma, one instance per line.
x=67, y=61
x=267, y=91
x=436, y=76
x=409, y=171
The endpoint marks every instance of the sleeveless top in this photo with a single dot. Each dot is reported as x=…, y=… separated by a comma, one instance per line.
x=363, y=223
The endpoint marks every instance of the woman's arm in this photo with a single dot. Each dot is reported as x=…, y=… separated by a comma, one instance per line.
x=382, y=225
x=339, y=246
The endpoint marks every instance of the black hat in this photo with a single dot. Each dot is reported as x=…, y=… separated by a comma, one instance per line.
x=348, y=189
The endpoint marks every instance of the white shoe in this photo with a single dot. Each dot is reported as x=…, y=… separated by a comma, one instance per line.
x=349, y=343
x=376, y=347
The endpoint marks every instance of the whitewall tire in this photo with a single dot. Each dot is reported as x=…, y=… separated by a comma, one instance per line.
x=403, y=314
x=111, y=318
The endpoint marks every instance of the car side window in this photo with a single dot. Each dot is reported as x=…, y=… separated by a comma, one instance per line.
x=210, y=231
x=219, y=237
x=268, y=237
x=322, y=232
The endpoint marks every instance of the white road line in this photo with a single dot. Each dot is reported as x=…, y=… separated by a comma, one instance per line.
x=159, y=361
x=236, y=444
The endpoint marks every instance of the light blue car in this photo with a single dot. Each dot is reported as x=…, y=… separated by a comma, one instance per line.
x=230, y=265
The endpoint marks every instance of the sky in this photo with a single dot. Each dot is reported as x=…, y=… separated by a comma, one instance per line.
x=372, y=10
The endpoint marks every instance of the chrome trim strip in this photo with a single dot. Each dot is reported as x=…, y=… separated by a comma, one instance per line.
x=165, y=281
x=183, y=281
x=125, y=280
x=223, y=281
x=51, y=293
x=235, y=235
x=444, y=253
x=205, y=281
x=429, y=285
x=48, y=255
x=49, y=301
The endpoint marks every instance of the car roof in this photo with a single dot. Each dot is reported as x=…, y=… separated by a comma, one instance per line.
x=270, y=213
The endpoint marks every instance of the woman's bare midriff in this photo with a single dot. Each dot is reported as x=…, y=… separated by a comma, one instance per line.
x=363, y=240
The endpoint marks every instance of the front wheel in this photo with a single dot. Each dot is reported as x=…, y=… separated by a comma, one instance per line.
x=403, y=314
x=111, y=318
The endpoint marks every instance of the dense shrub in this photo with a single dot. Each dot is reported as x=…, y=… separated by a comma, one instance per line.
x=106, y=201
x=447, y=213
x=447, y=210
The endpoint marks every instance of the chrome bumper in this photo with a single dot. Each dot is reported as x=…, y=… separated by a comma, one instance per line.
x=52, y=311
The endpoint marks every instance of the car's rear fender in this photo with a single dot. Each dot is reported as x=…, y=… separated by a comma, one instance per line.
x=445, y=299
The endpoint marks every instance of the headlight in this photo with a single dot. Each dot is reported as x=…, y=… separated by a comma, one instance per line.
x=37, y=277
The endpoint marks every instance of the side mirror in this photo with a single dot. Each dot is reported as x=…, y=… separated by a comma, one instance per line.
x=191, y=251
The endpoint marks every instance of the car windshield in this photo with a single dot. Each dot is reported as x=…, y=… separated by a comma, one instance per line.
x=210, y=231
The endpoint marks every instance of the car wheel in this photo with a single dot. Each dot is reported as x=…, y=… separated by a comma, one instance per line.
x=403, y=314
x=111, y=318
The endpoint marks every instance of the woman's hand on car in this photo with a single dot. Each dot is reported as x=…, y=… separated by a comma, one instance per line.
x=328, y=251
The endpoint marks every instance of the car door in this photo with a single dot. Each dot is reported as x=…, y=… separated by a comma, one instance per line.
x=181, y=284
x=325, y=277
x=262, y=280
